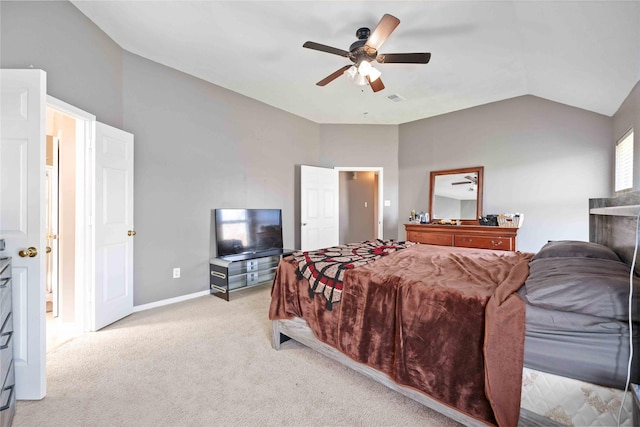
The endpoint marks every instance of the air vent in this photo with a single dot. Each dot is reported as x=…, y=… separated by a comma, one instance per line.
x=395, y=98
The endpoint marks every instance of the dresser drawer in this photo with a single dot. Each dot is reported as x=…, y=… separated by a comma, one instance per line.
x=484, y=242
x=466, y=236
x=430, y=238
x=6, y=344
x=5, y=297
x=8, y=398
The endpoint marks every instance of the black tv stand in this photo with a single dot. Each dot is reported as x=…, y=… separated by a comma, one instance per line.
x=241, y=271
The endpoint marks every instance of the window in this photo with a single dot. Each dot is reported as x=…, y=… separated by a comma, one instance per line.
x=624, y=162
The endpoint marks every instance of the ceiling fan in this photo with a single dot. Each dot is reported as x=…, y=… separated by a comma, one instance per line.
x=365, y=50
x=471, y=180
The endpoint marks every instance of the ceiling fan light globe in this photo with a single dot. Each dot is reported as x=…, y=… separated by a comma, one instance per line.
x=360, y=80
x=364, y=68
x=351, y=71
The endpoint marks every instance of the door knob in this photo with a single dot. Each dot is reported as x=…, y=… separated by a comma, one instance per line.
x=48, y=249
x=131, y=233
x=29, y=252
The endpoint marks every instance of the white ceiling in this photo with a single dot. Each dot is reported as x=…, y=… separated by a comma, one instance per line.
x=581, y=53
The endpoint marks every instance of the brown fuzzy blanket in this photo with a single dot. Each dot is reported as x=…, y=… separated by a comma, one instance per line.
x=445, y=321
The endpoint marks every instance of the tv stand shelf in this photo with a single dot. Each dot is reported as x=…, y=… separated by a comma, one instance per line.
x=230, y=274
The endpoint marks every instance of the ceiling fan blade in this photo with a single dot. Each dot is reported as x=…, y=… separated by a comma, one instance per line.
x=333, y=76
x=376, y=85
x=385, y=27
x=404, y=58
x=458, y=183
x=325, y=48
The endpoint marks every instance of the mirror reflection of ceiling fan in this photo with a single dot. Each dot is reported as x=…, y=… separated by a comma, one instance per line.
x=471, y=180
x=364, y=51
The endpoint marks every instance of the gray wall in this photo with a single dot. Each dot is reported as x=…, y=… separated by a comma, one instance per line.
x=448, y=208
x=468, y=208
x=540, y=158
x=366, y=146
x=628, y=116
x=199, y=147
x=83, y=65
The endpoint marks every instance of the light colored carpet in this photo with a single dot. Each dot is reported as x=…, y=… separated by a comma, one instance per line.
x=208, y=362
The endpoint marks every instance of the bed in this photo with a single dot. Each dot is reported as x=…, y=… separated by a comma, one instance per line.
x=485, y=337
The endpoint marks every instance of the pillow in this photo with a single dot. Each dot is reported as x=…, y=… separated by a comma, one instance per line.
x=575, y=248
x=593, y=286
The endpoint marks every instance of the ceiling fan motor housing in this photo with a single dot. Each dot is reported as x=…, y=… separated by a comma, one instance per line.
x=357, y=51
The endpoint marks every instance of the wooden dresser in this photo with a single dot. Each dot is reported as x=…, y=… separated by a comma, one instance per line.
x=466, y=236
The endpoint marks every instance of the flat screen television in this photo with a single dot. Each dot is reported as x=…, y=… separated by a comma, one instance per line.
x=247, y=231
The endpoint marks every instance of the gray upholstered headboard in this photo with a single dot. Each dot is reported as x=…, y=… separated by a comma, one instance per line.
x=613, y=222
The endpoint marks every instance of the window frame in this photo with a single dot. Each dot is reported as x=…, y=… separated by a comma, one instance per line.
x=616, y=172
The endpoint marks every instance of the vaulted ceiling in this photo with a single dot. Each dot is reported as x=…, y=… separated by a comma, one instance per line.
x=580, y=53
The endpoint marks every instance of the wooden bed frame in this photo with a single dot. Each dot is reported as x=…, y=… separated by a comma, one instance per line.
x=610, y=224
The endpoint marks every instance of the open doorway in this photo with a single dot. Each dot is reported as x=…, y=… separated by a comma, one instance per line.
x=360, y=205
x=62, y=141
x=93, y=286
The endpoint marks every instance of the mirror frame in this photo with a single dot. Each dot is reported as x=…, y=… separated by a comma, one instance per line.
x=479, y=170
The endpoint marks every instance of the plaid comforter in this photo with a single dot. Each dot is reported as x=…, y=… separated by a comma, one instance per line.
x=325, y=268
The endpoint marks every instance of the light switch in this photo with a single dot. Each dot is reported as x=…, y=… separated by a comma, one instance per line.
x=387, y=202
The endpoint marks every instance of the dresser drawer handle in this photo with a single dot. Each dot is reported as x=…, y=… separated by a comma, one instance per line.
x=498, y=243
x=8, y=404
x=467, y=239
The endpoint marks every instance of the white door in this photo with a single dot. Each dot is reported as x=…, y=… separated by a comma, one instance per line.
x=318, y=208
x=113, y=292
x=22, y=214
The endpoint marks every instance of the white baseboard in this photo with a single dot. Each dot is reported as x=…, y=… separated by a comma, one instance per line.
x=155, y=304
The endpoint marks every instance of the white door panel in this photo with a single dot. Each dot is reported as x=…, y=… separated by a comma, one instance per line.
x=318, y=207
x=312, y=203
x=330, y=207
x=113, y=294
x=22, y=214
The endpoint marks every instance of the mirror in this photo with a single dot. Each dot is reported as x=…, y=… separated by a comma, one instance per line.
x=456, y=194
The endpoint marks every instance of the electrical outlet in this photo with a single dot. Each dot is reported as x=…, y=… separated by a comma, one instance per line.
x=176, y=273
